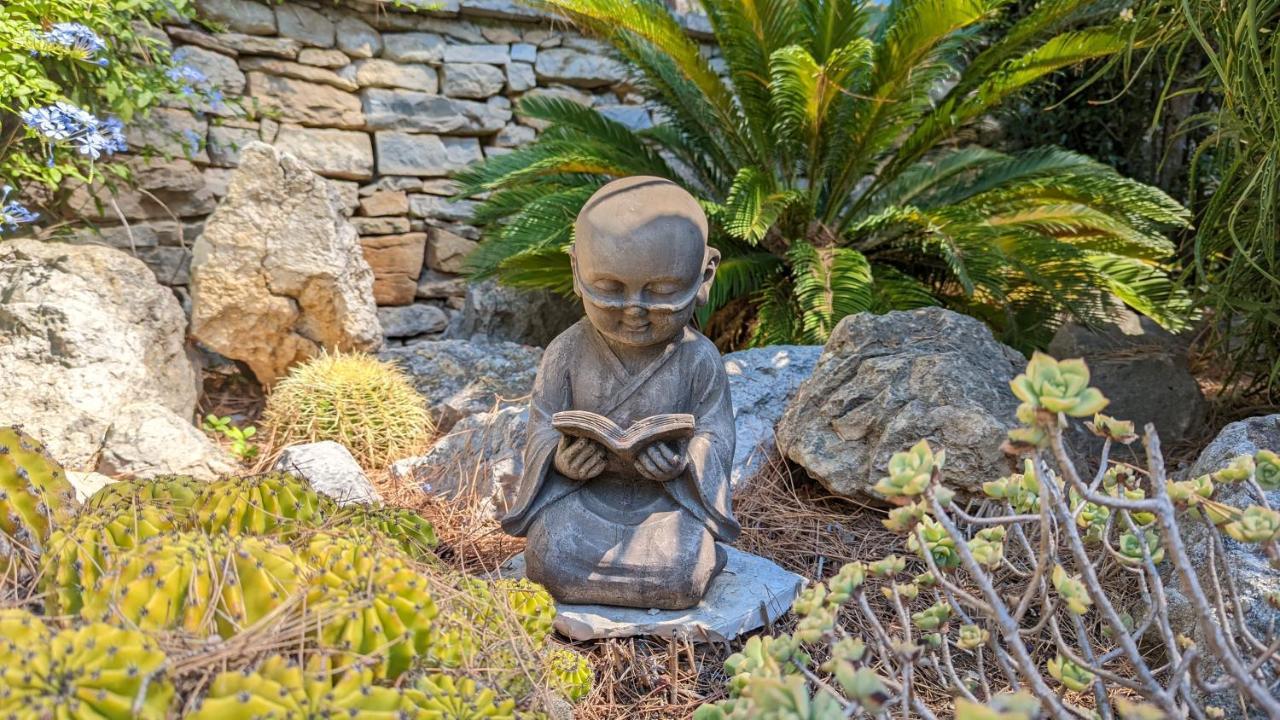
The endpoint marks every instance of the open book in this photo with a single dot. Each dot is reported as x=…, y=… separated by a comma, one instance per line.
x=625, y=444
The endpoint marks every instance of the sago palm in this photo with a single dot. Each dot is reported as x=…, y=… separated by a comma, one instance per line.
x=828, y=159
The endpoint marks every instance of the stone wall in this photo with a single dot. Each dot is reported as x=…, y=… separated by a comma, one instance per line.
x=384, y=102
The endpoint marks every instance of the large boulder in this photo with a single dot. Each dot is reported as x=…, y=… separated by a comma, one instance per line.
x=1142, y=369
x=461, y=378
x=884, y=382
x=497, y=312
x=94, y=361
x=1254, y=577
x=278, y=273
x=762, y=381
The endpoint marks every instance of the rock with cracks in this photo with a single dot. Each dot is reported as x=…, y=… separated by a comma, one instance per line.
x=885, y=382
x=278, y=274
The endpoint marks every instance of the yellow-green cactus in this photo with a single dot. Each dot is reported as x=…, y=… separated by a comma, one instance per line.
x=260, y=504
x=936, y=541
x=412, y=533
x=1071, y=590
x=534, y=607
x=201, y=585
x=175, y=493
x=441, y=697
x=570, y=674
x=1016, y=706
x=79, y=554
x=35, y=496
x=372, y=602
x=1053, y=387
x=96, y=672
x=1267, y=469
x=1255, y=525
x=283, y=689
x=1021, y=491
x=972, y=637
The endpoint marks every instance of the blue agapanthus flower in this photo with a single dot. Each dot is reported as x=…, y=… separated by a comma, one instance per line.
x=65, y=123
x=78, y=38
x=187, y=77
x=12, y=213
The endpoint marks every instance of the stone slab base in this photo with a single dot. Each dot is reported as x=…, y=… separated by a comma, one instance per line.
x=750, y=592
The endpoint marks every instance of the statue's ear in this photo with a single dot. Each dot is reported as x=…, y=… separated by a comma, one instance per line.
x=708, y=276
x=573, y=263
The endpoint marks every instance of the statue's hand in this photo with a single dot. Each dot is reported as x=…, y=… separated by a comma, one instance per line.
x=660, y=463
x=580, y=458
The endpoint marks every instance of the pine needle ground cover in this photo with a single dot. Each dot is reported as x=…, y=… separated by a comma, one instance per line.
x=830, y=159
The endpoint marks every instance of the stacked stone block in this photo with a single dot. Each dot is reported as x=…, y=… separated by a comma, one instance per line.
x=385, y=100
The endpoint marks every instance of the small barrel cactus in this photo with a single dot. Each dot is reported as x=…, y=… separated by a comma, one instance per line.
x=281, y=688
x=276, y=503
x=34, y=497
x=534, y=607
x=367, y=405
x=191, y=582
x=175, y=493
x=373, y=602
x=569, y=674
x=97, y=671
x=81, y=552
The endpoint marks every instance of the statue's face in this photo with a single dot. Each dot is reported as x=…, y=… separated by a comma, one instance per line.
x=640, y=286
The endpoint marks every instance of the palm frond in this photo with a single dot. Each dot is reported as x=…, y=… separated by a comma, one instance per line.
x=754, y=204
x=895, y=290
x=1147, y=289
x=739, y=275
x=830, y=283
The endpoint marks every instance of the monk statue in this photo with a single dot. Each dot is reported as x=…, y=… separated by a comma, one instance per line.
x=625, y=491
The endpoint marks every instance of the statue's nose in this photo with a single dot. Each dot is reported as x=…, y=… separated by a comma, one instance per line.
x=635, y=309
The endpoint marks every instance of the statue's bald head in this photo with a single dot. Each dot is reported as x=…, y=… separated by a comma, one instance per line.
x=645, y=218
x=641, y=244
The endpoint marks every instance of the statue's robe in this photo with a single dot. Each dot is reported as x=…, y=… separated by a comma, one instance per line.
x=620, y=538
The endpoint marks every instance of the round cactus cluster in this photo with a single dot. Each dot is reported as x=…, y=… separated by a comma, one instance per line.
x=358, y=615
x=367, y=405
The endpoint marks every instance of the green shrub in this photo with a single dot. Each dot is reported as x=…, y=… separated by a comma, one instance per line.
x=1048, y=599
x=86, y=67
x=832, y=167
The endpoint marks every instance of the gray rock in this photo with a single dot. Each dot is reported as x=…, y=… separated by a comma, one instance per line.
x=240, y=15
x=299, y=71
x=131, y=236
x=304, y=25
x=286, y=48
x=195, y=36
x=524, y=52
x=472, y=80
x=221, y=71
x=147, y=439
x=461, y=378
x=344, y=154
x=514, y=135
x=520, y=77
x=87, y=483
x=492, y=54
x=226, y=141
x=633, y=116
x=424, y=155
x=381, y=225
x=325, y=58
x=762, y=381
x=421, y=112
x=502, y=9
x=1143, y=369
x=750, y=592
x=86, y=332
x=357, y=39
x=884, y=382
x=433, y=285
x=497, y=312
x=572, y=67
x=411, y=320
x=306, y=103
x=331, y=470
x=480, y=459
x=278, y=273
x=162, y=189
x=414, y=47
x=171, y=265
x=447, y=252
x=171, y=132
x=434, y=207
x=387, y=74
x=1248, y=565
